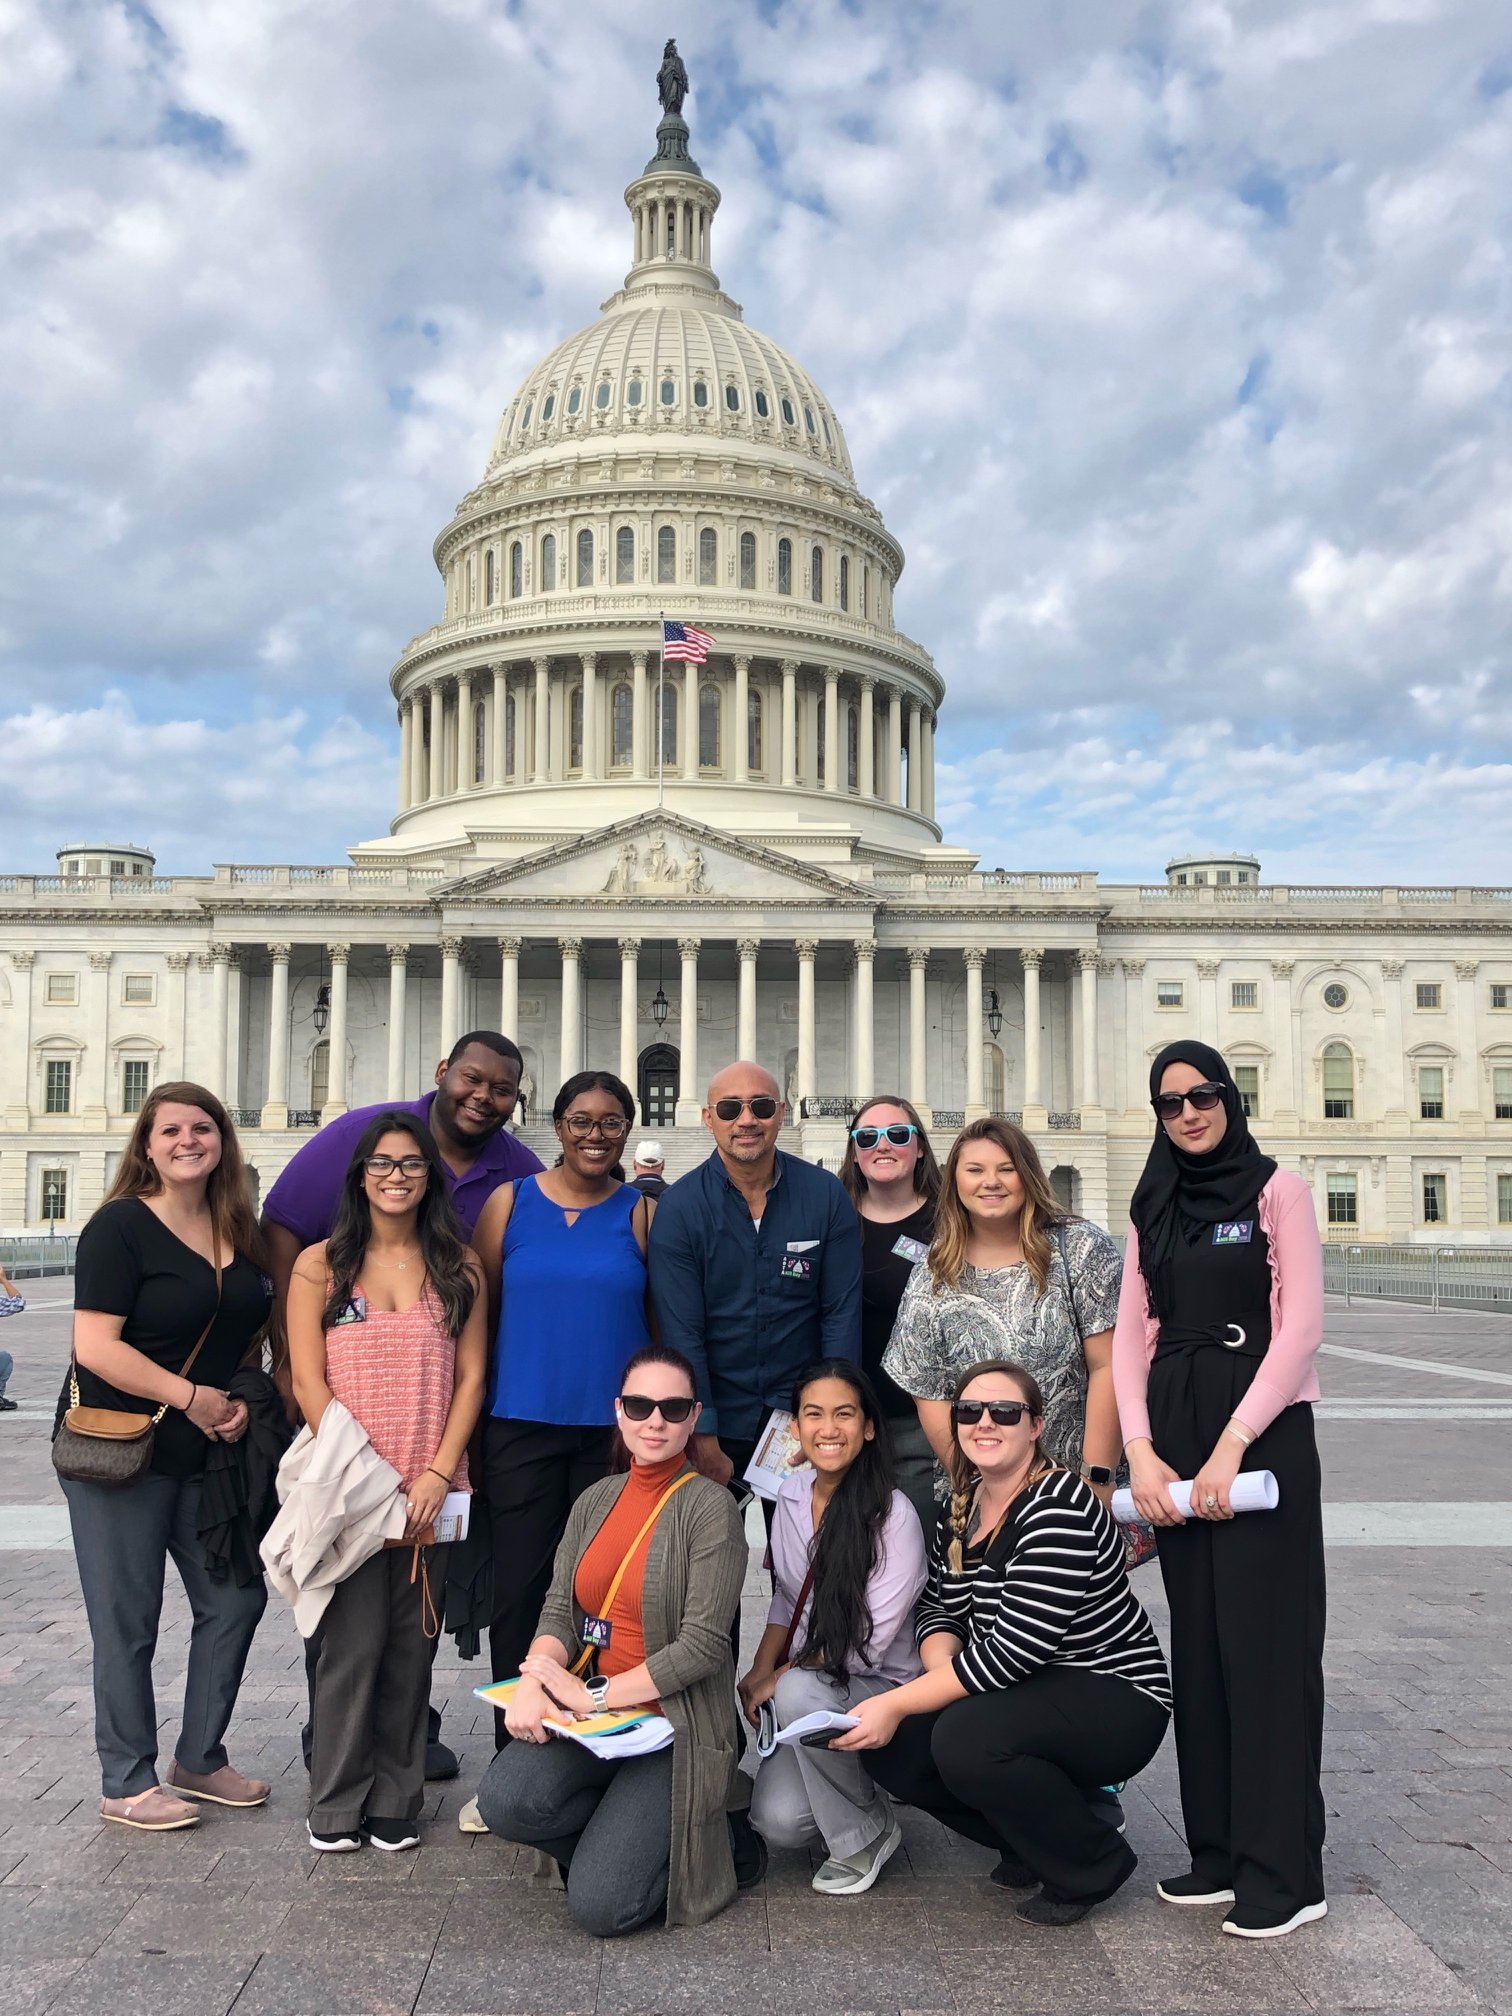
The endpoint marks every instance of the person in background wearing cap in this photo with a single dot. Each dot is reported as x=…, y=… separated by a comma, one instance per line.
x=648, y=1173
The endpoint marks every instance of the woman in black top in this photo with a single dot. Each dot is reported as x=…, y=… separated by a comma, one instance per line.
x=891, y=1176
x=174, y=1247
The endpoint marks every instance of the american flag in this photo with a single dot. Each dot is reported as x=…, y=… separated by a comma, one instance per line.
x=682, y=641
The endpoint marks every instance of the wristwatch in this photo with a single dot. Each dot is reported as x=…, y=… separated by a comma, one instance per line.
x=598, y=1691
x=1097, y=1473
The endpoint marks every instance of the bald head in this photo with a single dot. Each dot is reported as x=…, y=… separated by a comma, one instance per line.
x=743, y=1080
x=746, y=1141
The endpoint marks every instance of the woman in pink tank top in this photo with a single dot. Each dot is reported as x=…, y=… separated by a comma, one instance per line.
x=387, y=1317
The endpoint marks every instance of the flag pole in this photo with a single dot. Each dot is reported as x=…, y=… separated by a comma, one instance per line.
x=661, y=681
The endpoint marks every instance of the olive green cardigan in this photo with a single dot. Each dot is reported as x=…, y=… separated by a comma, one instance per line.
x=694, y=1573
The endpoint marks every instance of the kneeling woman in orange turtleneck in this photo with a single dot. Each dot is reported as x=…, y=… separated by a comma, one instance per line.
x=648, y=1576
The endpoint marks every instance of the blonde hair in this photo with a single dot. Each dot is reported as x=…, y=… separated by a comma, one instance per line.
x=1038, y=1218
x=963, y=1474
x=227, y=1193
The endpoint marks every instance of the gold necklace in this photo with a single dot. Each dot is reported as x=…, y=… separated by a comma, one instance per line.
x=400, y=1264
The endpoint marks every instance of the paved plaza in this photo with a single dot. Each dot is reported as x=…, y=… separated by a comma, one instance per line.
x=239, y=1915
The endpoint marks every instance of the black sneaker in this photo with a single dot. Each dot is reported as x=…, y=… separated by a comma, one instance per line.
x=8, y=1406
x=392, y=1835
x=440, y=1762
x=1257, y=1925
x=1192, y=1889
x=333, y=1844
x=749, y=1850
x=1043, y=1910
x=1011, y=1874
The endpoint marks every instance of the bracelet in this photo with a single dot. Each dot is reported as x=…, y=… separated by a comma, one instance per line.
x=434, y=1472
x=1233, y=1428
x=193, y=1389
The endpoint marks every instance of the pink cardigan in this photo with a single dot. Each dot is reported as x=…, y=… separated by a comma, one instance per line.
x=1289, y=1370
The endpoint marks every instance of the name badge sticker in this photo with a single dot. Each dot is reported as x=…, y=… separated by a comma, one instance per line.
x=1234, y=1232
x=801, y=1245
x=354, y=1312
x=912, y=1250
x=795, y=1268
x=597, y=1631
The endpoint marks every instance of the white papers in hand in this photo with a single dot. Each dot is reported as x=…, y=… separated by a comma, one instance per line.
x=451, y=1521
x=1251, y=1491
x=821, y=1722
x=652, y=1732
x=777, y=1455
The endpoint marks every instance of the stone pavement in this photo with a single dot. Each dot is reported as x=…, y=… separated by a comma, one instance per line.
x=239, y=1915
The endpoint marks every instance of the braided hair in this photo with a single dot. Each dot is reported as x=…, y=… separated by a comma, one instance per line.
x=962, y=1472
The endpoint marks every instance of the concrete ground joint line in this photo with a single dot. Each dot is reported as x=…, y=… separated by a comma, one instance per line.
x=1415, y=1364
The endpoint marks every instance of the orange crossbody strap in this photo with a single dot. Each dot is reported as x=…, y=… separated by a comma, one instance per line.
x=585, y=1656
x=183, y=1371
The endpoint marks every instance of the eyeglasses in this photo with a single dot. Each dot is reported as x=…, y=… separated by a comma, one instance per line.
x=762, y=1107
x=614, y=1128
x=1005, y=1413
x=640, y=1407
x=1203, y=1098
x=900, y=1133
x=385, y=1165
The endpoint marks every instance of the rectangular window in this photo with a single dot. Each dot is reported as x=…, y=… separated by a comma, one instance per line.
x=1430, y=994
x=1435, y=1197
x=1244, y=994
x=1431, y=1092
x=1169, y=993
x=136, y=1083
x=62, y=989
x=1501, y=994
x=1504, y=1199
x=138, y=990
x=1247, y=1078
x=1343, y=1200
x=59, y=1094
x=1501, y=1092
x=54, y=1197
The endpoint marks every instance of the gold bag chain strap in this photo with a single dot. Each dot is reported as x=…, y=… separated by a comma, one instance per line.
x=183, y=1371
x=585, y=1657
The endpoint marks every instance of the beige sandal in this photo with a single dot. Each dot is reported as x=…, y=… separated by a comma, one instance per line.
x=155, y=1811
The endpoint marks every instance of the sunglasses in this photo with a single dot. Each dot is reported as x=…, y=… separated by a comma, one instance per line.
x=640, y=1407
x=762, y=1107
x=385, y=1165
x=1005, y=1413
x=1202, y=1099
x=900, y=1133
x=581, y=1125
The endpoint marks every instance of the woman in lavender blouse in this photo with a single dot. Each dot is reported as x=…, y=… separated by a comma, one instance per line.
x=848, y=1564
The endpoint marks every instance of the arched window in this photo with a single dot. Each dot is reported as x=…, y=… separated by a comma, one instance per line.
x=529, y=409
x=666, y=554
x=732, y=398
x=708, y=558
x=821, y=723
x=816, y=574
x=574, y=399
x=708, y=727
x=634, y=393
x=624, y=554
x=763, y=405
x=479, y=740
x=320, y=1074
x=1338, y=1082
x=808, y=419
x=852, y=749
x=585, y=559
x=787, y=412
x=548, y=408
x=488, y=577
x=575, y=729
x=601, y=396
x=753, y=732
x=516, y=569
x=548, y=563
x=668, y=392
x=865, y=590
x=509, y=734
x=621, y=726
x=668, y=707
x=748, y=559
x=844, y=582
x=784, y=566
x=472, y=584
x=700, y=393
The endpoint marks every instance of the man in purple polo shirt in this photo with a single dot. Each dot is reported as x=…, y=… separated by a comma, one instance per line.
x=475, y=1094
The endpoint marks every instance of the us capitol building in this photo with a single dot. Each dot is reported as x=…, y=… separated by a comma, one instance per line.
x=656, y=869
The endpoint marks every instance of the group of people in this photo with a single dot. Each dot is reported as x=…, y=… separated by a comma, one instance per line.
x=596, y=1361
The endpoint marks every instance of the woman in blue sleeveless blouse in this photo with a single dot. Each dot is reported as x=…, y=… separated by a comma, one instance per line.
x=564, y=1254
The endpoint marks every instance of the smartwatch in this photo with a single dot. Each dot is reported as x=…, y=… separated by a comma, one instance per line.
x=597, y=1691
x=1097, y=1473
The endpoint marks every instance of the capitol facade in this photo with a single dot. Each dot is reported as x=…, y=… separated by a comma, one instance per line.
x=657, y=868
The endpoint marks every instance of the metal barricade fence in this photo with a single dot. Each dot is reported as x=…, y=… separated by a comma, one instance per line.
x=25, y=1257
x=1434, y=1277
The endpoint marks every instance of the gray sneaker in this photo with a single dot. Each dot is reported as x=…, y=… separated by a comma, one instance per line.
x=849, y=1876
x=470, y=1820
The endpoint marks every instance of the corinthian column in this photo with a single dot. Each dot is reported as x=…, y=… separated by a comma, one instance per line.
x=689, y=1093
x=866, y=778
x=629, y=1024
x=640, y=739
x=1032, y=956
x=276, y=1112
x=436, y=786
x=894, y=746
x=745, y=1019
x=509, y=987
x=790, y=721
x=918, y=965
x=451, y=988
x=832, y=750
x=1086, y=958
x=741, y=726
x=807, y=949
x=398, y=990
x=336, y=1075
x=571, y=950
x=866, y=953
x=542, y=764
x=975, y=958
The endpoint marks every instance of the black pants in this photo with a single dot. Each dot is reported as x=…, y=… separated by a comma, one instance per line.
x=1247, y=1619
x=1013, y=1770
x=533, y=1473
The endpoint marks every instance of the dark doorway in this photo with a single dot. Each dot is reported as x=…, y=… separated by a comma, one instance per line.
x=658, y=1085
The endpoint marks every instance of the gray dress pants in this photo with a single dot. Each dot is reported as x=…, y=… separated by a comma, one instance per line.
x=123, y=1536
x=804, y=1795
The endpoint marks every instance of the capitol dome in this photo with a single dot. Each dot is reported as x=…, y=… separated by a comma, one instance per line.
x=667, y=461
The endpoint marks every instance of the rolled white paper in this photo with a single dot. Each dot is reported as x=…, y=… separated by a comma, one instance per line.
x=1251, y=1491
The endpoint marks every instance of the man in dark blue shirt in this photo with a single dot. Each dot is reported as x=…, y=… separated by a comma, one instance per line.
x=755, y=1269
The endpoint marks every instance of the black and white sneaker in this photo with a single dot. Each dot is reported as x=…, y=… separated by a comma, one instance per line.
x=1253, y=1925
x=333, y=1844
x=392, y=1835
x=1192, y=1889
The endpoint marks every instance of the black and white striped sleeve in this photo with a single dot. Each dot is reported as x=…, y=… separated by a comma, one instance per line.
x=1021, y=1617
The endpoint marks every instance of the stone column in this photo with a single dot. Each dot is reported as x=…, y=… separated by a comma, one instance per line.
x=451, y=992
x=509, y=987
x=590, y=717
x=866, y=774
x=93, y=1090
x=498, y=761
x=398, y=990
x=866, y=1070
x=541, y=767
x=915, y=756
x=832, y=749
x=1207, y=1001
x=1467, y=1070
x=1136, y=1069
x=789, y=721
x=1394, y=1059
x=691, y=675
x=276, y=1112
x=1032, y=957
x=918, y=1033
x=806, y=948
x=894, y=745
x=220, y=990
x=745, y=1017
x=232, y=1093
x=419, y=771
x=571, y=950
x=1284, y=1110
x=975, y=957
x=465, y=744
x=1086, y=958
x=689, y=1093
x=640, y=741
x=406, y=728
x=336, y=1077
x=436, y=781
x=739, y=765
x=629, y=1046
x=928, y=779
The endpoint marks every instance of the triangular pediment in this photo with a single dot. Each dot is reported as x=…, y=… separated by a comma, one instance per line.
x=656, y=856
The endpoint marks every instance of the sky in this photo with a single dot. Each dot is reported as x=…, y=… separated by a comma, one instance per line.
x=1174, y=342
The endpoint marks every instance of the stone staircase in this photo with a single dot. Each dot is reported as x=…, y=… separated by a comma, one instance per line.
x=685, y=1147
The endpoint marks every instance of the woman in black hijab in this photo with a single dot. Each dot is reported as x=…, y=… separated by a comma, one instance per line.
x=1219, y=1321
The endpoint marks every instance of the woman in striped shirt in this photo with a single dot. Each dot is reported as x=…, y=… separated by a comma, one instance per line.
x=1042, y=1678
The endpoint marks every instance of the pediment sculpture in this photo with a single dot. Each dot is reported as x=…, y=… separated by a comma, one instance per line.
x=657, y=871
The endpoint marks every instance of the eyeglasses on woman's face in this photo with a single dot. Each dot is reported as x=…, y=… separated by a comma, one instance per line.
x=385, y=1165
x=762, y=1107
x=1004, y=1413
x=612, y=1126
x=640, y=1407
x=898, y=1132
x=1201, y=1098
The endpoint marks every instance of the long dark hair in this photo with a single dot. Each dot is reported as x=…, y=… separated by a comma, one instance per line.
x=926, y=1173
x=848, y=1545
x=448, y=1277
